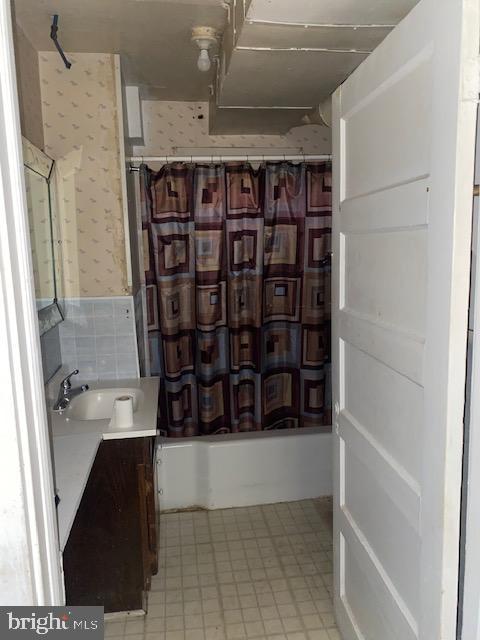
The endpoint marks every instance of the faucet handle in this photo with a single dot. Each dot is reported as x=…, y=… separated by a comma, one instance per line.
x=65, y=383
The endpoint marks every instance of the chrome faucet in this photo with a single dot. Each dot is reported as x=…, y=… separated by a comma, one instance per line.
x=66, y=393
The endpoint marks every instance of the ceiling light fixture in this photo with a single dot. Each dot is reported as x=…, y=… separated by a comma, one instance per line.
x=205, y=38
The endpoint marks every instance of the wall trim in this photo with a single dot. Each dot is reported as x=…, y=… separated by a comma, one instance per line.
x=28, y=535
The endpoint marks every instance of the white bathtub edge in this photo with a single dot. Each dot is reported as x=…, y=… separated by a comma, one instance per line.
x=216, y=473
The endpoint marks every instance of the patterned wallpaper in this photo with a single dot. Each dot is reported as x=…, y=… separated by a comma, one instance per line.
x=167, y=125
x=81, y=133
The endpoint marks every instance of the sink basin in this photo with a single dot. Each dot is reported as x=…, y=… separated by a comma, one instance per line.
x=97, y=404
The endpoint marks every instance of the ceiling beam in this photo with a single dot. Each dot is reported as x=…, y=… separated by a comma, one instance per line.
x=304, y=49
x=228, y=106
x=318, y=25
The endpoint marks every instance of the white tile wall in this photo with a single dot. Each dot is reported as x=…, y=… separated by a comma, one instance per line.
x=98, y=337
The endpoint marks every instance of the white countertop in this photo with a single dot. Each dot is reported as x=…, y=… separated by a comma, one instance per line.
x=75, y=445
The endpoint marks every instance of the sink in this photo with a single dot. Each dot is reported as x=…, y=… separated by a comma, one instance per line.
x=97, y=404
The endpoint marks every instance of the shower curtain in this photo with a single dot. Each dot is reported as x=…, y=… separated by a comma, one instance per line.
x=237, y=265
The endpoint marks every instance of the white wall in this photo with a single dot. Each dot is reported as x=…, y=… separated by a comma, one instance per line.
x=30, y=572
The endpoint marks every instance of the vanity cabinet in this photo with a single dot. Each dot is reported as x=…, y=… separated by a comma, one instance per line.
x=111, y=552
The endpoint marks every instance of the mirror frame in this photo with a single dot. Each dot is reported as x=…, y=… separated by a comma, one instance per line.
x=39, y=162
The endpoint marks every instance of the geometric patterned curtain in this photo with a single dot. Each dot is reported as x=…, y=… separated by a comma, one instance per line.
x=238, y=295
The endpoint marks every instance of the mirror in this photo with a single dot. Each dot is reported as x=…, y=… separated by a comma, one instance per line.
x=44, y=240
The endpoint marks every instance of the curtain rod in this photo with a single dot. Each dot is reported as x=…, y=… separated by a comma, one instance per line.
x=230, y=158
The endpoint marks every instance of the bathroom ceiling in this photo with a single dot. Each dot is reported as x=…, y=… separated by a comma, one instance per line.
x=384, y=12
x=278, y=58
x=153, y=37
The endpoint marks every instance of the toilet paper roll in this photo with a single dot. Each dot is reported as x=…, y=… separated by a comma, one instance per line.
x=122, y=417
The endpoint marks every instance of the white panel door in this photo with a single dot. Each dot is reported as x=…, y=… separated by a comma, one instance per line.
x=404, y=129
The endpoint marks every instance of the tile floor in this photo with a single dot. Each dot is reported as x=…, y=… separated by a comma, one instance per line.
x=234, y=574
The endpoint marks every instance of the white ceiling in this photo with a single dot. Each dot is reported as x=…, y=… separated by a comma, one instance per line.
x=275, y=53
x=294, y=53
x=388, y=12
x=153, y=37
x=285, y=78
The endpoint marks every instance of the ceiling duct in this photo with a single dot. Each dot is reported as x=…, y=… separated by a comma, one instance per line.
x=321, y=114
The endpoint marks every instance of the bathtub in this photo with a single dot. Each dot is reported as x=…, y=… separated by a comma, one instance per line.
x=244, y=469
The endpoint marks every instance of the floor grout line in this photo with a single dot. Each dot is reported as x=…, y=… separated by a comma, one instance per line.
x=247, y=573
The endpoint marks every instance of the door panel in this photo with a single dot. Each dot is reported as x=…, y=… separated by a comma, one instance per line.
x=393, y=423
x=368, y=254
x=399, y=152
x=362, y=586
x=404, y=126
x=365, y=499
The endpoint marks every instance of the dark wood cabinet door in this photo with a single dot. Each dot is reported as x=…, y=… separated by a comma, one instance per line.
x=105, y=559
